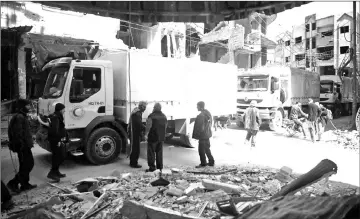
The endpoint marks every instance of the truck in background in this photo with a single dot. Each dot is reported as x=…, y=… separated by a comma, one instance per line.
x=276, y=89
x=100, y=94
x=331, y=83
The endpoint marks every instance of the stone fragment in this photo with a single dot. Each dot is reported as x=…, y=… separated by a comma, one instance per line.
x=214, y=196
x=181, y=200
x=175, y=192
x=213, y=185
x=126, y=176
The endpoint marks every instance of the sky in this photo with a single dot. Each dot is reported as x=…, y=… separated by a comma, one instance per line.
x=296, y=16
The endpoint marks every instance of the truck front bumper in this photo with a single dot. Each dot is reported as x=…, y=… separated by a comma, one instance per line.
x=266, y=114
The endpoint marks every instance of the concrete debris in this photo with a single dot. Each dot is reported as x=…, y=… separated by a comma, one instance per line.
x=130, y=195
x=213, y=185
x=284, y=174
x=347, y=140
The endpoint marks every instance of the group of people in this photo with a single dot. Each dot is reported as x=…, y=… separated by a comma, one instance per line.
x=317, y=118
x=21, y=142
x=154, y=133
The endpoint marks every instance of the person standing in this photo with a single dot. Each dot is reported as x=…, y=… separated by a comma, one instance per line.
x=21, y=142
x=314, y=114
x=155, y=136
x=297, y=113
x=323, y=119
x=135, y=130
x=252, y=122
x=57, y=138
x=202, y=132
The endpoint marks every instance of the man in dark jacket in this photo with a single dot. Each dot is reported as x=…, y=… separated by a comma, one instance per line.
x=202, y=132
x=252, y=122
x=155, y=134
x=314, y=114
x=57, y=137
x=135, y=130
x=297, y=113
x=21, y=142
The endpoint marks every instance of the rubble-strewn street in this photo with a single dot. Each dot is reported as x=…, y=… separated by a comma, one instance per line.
x=186, y=189
x=187, y=192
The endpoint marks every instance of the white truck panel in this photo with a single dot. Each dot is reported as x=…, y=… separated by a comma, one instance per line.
x=304, y=85
x=176, y=83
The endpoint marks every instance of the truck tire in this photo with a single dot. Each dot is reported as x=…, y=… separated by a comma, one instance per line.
x=103, y=146
x=276, y=123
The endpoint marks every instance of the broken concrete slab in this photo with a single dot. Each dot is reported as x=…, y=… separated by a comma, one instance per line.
x=151, y=191
x=193, y=188
x=135, y=210
x=214, y=196
x=213, y=185
x=175, y=192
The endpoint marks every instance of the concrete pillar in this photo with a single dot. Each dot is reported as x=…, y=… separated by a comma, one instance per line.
x=176, y=53
x=21, y=73
x=168, y=40
x=231, y=52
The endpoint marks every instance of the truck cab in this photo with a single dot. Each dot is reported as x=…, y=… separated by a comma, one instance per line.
x=265, y=90
x=329, y=84
x=85, y=88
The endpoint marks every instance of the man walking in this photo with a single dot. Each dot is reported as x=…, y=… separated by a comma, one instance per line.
x=297, y=113
x=202, y=132
x=252, y=122
x=155, y=134
x=314, y=113
x=21, y=142
x=135, y=130
x=57, y=137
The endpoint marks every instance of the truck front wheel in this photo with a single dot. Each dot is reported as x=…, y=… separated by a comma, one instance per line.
x=103, y=146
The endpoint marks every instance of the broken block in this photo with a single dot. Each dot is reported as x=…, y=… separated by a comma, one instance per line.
x=213, y=185
x=175, y=192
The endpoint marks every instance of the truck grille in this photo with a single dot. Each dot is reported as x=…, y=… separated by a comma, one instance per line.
x=243, y=101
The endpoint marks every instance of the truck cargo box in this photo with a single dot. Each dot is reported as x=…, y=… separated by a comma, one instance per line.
x=176, y=83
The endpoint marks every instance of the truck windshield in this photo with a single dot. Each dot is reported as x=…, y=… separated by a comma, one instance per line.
x=326, y=88
x=253, y=83
x=56, y=81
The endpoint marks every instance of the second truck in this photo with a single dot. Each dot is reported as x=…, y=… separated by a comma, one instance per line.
x=276, y=89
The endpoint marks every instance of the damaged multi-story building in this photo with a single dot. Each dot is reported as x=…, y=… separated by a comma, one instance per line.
x=322, y=45
x=32, y=35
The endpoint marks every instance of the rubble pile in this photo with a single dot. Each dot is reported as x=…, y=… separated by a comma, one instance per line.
x=343, y=138
x=190, y=192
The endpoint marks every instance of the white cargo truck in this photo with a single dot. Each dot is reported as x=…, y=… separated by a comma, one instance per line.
x=276, y=89
x=100, y=94
x=330, y=84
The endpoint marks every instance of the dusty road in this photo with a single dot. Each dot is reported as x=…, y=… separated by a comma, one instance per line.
x=273, y=149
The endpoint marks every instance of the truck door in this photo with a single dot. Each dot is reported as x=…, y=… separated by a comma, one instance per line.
x=85, y=98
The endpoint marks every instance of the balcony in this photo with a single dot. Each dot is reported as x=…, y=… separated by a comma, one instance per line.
x=324, y=41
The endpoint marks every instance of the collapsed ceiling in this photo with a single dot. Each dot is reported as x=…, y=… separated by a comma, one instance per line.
x=174, y=11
